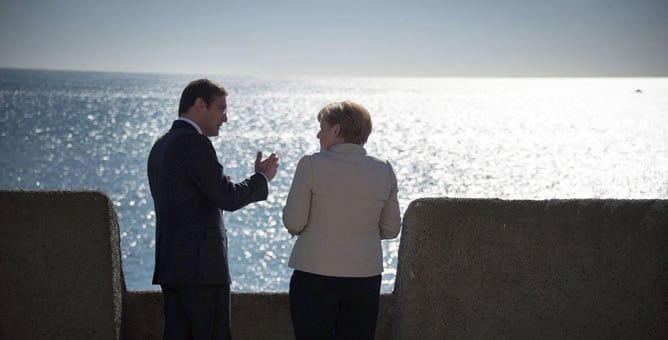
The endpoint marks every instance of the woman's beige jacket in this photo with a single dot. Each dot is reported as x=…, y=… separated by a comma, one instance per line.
x=342, y=202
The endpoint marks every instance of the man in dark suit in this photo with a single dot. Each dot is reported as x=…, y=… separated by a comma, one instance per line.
x=190, y=191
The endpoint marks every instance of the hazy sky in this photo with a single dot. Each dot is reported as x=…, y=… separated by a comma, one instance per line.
x=340, y=37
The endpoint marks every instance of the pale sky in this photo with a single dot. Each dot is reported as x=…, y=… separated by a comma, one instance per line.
x=415, y=38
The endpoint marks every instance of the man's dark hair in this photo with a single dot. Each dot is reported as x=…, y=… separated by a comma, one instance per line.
x=200, y=88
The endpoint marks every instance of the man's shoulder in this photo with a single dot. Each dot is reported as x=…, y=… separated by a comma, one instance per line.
x=186, y=135
x=181, y=142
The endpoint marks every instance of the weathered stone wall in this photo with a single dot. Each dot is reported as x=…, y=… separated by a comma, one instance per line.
x=559, y=269
x=254, y=316
x=468, y=269
x=60, y=269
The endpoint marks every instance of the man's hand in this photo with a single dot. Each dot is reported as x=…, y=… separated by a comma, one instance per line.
x=268, y=166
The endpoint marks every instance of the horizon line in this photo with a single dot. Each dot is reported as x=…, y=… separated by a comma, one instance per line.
x=296, y=75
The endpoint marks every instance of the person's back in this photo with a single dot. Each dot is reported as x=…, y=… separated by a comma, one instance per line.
x=341, y=203
x=342, y=237
x=187, y=213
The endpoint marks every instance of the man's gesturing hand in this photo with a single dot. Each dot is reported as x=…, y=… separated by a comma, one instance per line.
x=268, y=166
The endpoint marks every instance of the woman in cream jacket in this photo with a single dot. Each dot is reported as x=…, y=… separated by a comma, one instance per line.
x=342, y=202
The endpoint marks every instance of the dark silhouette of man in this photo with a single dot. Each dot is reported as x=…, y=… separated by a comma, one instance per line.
x=190, y=191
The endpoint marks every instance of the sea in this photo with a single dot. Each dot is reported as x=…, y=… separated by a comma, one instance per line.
x=506, y=138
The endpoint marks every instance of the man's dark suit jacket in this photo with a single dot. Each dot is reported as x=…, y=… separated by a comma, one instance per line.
x=189, y=191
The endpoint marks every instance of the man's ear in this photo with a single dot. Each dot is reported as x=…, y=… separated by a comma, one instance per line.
x=200, y=104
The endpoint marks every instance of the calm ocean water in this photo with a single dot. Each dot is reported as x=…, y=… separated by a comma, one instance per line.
x=455, y=137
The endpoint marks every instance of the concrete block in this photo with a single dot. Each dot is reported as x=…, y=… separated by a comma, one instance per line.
x=556, y=269
x=142, y=315
x=261, y=316
x=254, y=316
x=60, y=268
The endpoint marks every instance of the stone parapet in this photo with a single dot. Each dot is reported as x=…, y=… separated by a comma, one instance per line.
x=60, y=266
x=557, y=269
x=468, y=269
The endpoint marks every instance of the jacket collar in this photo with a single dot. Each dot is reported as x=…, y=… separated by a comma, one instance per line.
x=193, y=124
x=182, y=124
x=347, y=148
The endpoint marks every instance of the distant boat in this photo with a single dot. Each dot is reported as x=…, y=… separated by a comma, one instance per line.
x=638, y=91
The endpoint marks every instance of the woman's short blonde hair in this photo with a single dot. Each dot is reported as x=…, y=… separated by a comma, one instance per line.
x=354, y=119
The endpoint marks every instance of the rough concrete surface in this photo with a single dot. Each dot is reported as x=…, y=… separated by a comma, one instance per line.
x=60, y=269
x=559, y=269
x=254, y=316
x=468, y=269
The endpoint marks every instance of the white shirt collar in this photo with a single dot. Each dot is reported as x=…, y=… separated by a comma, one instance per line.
x=191, y=123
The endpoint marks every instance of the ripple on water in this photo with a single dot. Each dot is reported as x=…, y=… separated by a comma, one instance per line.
x=501, y=138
